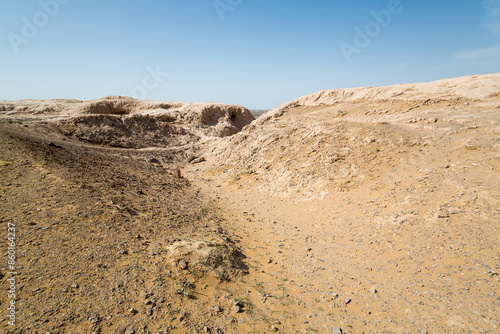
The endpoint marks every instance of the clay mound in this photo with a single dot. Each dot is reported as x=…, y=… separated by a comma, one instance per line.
x=119, y=121
x=37, y=107
x=131, y=123
x=226, y=119
x=121, y=105
x=111, y=105
x=134, y=131
x=216, y=257
x=336, y=141
x=473, y=88
x=308, y=161
x=223, y=119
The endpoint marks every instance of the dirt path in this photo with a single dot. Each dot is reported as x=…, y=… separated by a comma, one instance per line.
x=352, y=262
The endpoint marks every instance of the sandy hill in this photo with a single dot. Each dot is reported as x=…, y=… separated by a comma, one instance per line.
x=473, y=87
x=395, y=189
x=339, y=138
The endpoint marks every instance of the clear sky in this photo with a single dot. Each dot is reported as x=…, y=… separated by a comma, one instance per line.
x=256, y=53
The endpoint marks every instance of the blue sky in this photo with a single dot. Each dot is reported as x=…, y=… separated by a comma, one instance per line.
x=256, y=53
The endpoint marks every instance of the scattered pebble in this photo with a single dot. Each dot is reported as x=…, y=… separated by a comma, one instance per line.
x=93, y=319
x=183, y=264
x=183, y=316
x=337, y=330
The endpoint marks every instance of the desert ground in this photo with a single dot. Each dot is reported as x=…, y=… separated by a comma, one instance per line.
x=361, y=210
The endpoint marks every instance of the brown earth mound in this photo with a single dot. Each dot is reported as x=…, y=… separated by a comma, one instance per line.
x=134, y=131
x=337, y=140
x=198, y=120
x=470, y=88
x=375, y=209
x=97, y=230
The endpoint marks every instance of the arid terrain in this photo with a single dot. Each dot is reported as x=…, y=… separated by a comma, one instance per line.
x=363, y=210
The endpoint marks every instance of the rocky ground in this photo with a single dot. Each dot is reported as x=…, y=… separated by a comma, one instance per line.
x=96, y=237
x=370, y=210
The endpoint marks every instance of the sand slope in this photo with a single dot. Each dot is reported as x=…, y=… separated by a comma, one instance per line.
x=390, y=189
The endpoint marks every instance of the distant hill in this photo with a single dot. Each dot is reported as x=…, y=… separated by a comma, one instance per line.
x=258, y=112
